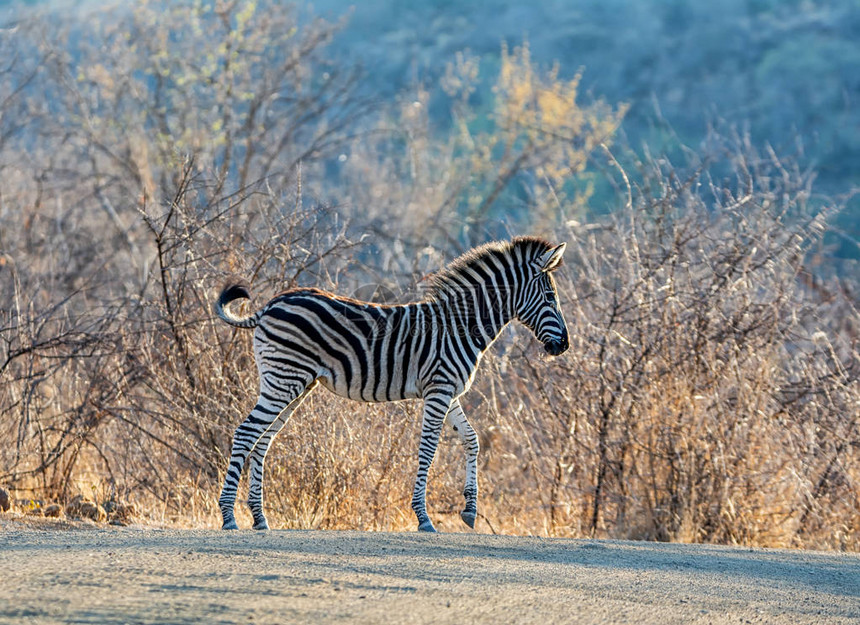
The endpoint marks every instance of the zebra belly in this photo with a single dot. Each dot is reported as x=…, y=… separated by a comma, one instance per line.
x=371, y=391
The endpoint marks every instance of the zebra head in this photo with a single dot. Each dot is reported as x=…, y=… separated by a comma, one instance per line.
x=537, y=304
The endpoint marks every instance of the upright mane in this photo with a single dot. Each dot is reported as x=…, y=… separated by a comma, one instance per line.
x=456, y=273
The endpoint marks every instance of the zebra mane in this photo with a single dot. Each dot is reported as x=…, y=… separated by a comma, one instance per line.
x=452, y=278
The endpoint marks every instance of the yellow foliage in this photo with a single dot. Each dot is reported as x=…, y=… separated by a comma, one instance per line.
x=520, y=154
x=461, y=76
x=243, y=16
x=541, y=126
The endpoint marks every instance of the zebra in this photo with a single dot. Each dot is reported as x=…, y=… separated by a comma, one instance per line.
x=429, y=349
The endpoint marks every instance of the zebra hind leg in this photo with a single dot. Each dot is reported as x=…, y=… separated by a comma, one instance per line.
x=457, y=419
x=258, y=458
x=255, y=470
x=269, y=406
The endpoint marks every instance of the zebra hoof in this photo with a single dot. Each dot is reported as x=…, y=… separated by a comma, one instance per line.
x=468, y=518
x=230, y=525
x=262, y=525
x=427, y=526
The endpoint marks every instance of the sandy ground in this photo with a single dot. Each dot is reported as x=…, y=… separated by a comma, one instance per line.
x=139, y=575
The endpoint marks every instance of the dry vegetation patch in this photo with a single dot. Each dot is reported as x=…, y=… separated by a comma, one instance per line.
x=710, y=394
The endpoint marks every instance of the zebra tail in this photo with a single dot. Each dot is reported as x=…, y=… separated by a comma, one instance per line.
x=230, y=293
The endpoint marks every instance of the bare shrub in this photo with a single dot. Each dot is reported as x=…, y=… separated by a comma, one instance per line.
x=708, y=394
x=102, y=209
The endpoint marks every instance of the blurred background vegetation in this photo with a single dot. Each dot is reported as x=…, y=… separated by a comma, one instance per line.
x=701, y=161
x=786, y=71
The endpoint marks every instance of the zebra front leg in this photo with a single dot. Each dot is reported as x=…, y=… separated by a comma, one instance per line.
x=258, y=459
x=436, y=404
x=269, y=406
x=457, y=419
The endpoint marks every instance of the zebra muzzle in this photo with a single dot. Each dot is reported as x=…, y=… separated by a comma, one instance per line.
x=555, y=347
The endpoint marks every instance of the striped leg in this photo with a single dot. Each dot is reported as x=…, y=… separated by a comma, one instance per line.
x=258, y=458
x=436, y=404
x=269, y=405
x=457, y=419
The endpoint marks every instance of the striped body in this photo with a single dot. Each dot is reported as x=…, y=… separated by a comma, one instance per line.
x=367, y=352
x=364, y=351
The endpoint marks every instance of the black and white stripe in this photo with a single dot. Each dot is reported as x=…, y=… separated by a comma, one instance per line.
x=428, y=349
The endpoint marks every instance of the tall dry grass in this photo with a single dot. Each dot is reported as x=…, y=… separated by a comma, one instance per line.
x=710, y=393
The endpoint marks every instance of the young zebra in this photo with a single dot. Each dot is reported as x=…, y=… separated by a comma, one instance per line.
x=428, y=349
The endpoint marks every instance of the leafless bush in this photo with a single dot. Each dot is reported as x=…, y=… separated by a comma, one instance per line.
x=105, y=238
x=709, y=394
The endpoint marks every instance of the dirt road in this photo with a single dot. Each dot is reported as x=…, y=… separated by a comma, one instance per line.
x=135, y=575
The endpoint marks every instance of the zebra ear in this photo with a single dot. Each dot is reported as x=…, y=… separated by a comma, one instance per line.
x=551, y=260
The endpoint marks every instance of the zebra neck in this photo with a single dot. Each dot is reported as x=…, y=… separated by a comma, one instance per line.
x=477, y=317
